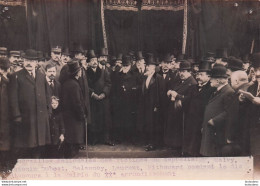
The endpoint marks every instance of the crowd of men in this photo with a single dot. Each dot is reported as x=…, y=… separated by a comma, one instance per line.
x=50, y=108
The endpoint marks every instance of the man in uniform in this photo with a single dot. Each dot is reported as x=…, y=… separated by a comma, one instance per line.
x=3, y=52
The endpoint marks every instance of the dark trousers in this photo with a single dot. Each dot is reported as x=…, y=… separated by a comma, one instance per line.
x=54, y=151
x=30, y=153
x=71, y=150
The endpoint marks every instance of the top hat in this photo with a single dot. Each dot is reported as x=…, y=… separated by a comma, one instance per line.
x=15, y=53
x=205, y=66
x=256, y=60
x=119, y=57
x=150, y=60
x=78, y=49
x=91, y=54
x=139, y=55
x=31, y=54
x=246, y=59
x=103, y=52
x=3, y=50
x=167, y=58
x=126, y=60
x=185, y=65
x=74, y=66
x=56, y=49
x=219, y=71
x=4, y=63
x=235, y=64
x=66, y=51
x=221, y=53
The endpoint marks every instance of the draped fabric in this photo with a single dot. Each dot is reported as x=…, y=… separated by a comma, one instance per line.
x=65, y=23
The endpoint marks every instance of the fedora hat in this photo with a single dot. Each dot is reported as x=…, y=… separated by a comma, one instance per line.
x=31, y=54
x=103, y=52
x=204, y=66
x=185, y=65
x=4, y=63
x=74, y=66
x=219, y=71
x=235, y=64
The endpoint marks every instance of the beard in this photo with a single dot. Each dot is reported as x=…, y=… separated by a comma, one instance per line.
x=103, y=62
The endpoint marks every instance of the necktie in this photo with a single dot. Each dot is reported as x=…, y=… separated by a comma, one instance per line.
x=31, y=74
x=51, y=83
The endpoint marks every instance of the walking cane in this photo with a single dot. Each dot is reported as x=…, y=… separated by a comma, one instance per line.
x=86, y=125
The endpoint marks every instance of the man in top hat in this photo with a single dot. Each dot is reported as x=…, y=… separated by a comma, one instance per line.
x=99, y=85
x=65, y=56
x=194, y=106
x=30, y=108
x=253, y=110
x=15, y=60
x=55, y=60
x=148, y=114
x=103, y=57
x=74, y=110
x=125, y=101
x=177, y=91
x=220, y=114
x=239, y=81
x=133, y=58
x=3, y=52
x=118, y=62
x=221, y=56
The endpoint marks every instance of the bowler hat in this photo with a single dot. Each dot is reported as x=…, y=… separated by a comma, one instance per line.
x=3, y=50
x=56, y=49
x=119, y=57
x=31, y=54
x=74, y=66
x=235, y=64
x=256, y=60
x=219, y=71
x=4, y=63
x=103, y=52
x=139, y=55
x=15, y=53
x=91, y=54
x=204, y=66
x=126, y=60
x=221, y=53
x=185, y=65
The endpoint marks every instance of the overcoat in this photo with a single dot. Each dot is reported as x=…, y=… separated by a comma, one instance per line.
x=5, y=124
x=194, y=107
x=173, y=136
x=29, y=100
x=253, y=121
x=222, y=108
x=100, y=82
x=72, y=104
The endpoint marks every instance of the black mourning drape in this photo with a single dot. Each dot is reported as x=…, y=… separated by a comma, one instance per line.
x=149, y=30
x=13, y=31
x=65, y=23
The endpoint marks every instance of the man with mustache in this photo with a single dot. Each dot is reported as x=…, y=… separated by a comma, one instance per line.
x=30, y=108
x=53, y=84
x=55, y=60
x=177, y=92
x=103, y=58
x=194, y=107
x=15, y=60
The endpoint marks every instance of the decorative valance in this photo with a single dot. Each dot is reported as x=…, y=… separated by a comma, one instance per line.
x=12, y=2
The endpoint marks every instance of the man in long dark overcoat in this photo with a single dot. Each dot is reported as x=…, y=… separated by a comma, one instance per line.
x=177, y=90
x=149, y=107
x=30, y=108
x=99, y=89
x=73, y=108
x=194, y=106
x=220, y=114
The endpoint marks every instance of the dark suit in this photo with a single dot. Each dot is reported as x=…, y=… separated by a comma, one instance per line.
x=29, y=100
x=54, y=90
x=173, y=136
x=222, y=108
x=147, y=117
x=100, y=127
x=194, y=107
x=253, y=121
